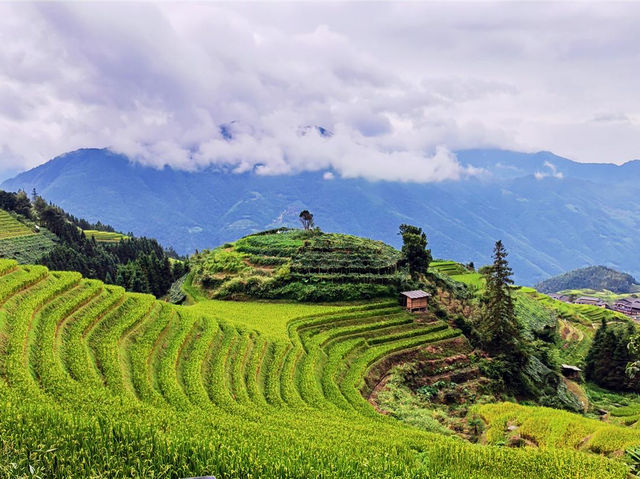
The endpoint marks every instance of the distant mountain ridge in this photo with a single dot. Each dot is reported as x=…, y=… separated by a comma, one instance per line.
x=553, y=214
x=598, y=278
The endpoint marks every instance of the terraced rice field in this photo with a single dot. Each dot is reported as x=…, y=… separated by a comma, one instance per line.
x=19, y=242
x=448, y=267
x=104, y=236
x=96, y=382
x=557, y=429
x=11, y=227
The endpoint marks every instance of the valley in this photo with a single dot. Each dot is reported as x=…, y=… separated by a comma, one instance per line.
x=291, y=338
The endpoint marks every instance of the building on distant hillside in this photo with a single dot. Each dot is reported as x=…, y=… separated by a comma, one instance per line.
x=561, y=297
x=591, y=301
x=414, y=300
x=628, y=306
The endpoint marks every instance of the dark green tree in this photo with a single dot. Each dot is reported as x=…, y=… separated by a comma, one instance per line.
x=499, y=327
x=610, y=356
x=414, y=250
x=595, y=351
x=306, y=219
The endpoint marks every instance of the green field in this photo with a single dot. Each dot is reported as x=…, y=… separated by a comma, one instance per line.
x=104, y=236
x=474, y=280
x=552, y=428
x=10, y=227
x=448, y=267
x=96, y=382
x=21, y=242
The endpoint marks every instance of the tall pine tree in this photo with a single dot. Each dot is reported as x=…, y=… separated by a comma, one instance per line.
x=499, y=327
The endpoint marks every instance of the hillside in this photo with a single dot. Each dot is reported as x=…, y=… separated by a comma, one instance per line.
x=575, y=324
x=21, y=241
x=598, y=278
x=104, y=236
x=33, y=231
x=299, y=265
x=550, y=225
x=99, y=382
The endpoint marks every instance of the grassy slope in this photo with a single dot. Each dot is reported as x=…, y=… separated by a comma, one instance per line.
x=20, y=242
x=97, y=382
x=577, y=323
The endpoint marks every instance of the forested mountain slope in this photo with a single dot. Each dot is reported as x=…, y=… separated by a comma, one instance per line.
x=598, y=278
x=552, y=218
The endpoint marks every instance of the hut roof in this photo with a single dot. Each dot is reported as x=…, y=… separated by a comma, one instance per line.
x=418, y=293
x=571, y=368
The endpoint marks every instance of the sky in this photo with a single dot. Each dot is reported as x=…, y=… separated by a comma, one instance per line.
x=401, y=86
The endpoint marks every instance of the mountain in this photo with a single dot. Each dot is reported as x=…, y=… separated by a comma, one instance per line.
x=553, y=214
x=597, y=278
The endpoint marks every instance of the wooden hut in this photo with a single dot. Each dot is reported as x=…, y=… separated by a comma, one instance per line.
x=414, y=300
x=571, y=372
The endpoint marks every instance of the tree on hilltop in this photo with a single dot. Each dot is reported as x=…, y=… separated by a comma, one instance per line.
x=414, y=249
x=306, y=218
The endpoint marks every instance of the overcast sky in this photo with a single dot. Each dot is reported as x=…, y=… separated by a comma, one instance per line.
x=402, y=86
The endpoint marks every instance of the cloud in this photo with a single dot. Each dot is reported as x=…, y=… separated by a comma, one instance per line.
x=400, y=92
x=553, y=172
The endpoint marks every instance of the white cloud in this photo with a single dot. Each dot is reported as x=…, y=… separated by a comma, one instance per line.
x=400, y=92
x=553, y=172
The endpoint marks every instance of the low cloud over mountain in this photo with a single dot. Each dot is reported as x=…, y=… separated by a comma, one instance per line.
x=398, y=97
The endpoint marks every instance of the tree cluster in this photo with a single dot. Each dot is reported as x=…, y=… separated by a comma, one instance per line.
x=607, y=359
x=138, y=264
x=415, y=254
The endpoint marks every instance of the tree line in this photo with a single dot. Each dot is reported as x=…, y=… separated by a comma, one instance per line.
x=137, y=264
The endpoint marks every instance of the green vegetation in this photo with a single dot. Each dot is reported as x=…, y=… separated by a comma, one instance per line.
x=608, y=357
x=594, y=277
x=551, y=428
x=97, y=382
x=580, y=313
x=449, y=268
x=299, y=265
x=269, y=319
x=21, y=240
x=37, y=232
x=10, y=227
x=104, y=236
x=475, y=281
x=414, y=250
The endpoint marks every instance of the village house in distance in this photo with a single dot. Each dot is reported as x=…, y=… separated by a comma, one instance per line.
x=629, y=306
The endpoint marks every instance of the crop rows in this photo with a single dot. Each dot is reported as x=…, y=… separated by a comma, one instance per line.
x=96, y=382
x=104, y=236
x=11, y=227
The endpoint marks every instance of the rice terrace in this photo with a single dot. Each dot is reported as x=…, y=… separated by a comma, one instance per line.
x=97, y=381
x=317, y=240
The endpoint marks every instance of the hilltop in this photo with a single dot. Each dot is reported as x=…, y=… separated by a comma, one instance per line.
x=597, y=278
x=299, y=265
x=514, y=197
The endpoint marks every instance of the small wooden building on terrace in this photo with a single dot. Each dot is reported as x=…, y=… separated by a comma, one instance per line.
x=414, y=300
x=571, y=372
